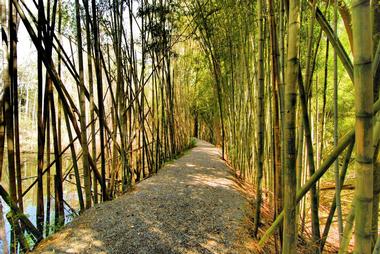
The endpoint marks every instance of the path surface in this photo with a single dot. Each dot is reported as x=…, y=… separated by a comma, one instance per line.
x=191, y=206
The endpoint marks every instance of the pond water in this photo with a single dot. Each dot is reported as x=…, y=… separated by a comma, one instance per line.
x=29, y=172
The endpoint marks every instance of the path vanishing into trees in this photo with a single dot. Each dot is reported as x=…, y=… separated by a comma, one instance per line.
x=193, y=205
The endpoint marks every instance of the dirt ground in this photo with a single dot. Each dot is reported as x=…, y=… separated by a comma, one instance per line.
x=193, y=205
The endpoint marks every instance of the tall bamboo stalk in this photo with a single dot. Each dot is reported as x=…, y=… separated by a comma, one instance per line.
x=82, y=104
x=100, y=98
x=290, y=203
x=260, y=117
x=362, y=45
x=40, y=203
x=337, y=182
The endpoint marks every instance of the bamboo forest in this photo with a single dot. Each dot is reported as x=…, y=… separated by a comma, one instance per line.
x=189, y=126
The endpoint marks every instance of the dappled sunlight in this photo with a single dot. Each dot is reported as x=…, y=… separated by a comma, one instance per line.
x=211, y=181
x=192, y=205
x=80, y=240
x=106, y=106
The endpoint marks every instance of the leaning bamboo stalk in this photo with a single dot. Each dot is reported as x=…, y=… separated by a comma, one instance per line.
x=333, y=205
x=18, y=233
x=56, y=80
x=54, y=161
x=342, y=144
x=310, y=159
x=75, y=166
x=69, y=105
x=310, y=40
x=335, y=42
x=24, y=219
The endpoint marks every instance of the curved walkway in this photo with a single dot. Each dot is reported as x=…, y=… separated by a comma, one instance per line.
x=191, y=206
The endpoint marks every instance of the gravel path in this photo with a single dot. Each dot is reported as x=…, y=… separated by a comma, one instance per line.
x=191, y=206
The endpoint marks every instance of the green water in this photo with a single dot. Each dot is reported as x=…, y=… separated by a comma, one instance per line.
x=29, y=172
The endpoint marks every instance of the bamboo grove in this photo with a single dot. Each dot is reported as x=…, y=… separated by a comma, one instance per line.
x=105, y=95
x=288, y=89
x=296, y=87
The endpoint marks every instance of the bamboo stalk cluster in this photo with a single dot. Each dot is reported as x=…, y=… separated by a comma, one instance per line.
x=106, y=97
x=278, y=125
x=136, y=79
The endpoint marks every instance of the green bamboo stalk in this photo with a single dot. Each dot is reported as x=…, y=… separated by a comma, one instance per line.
x=342, y=144
x=375, y=16
x=335, y=42
x=363, y=81
x=333, y=205
x=260, y=122
x=347, y=233
x=376, y=179
x=376, y=249
x=23, y=218
x=310, y=159
x=277, y=80
x=336, y=137
x=290, y=201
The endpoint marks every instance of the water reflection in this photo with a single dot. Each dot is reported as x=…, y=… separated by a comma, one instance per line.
x=29, y=172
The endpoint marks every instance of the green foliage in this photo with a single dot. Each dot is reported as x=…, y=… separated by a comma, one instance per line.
x=68, y=18
x=193, y=143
